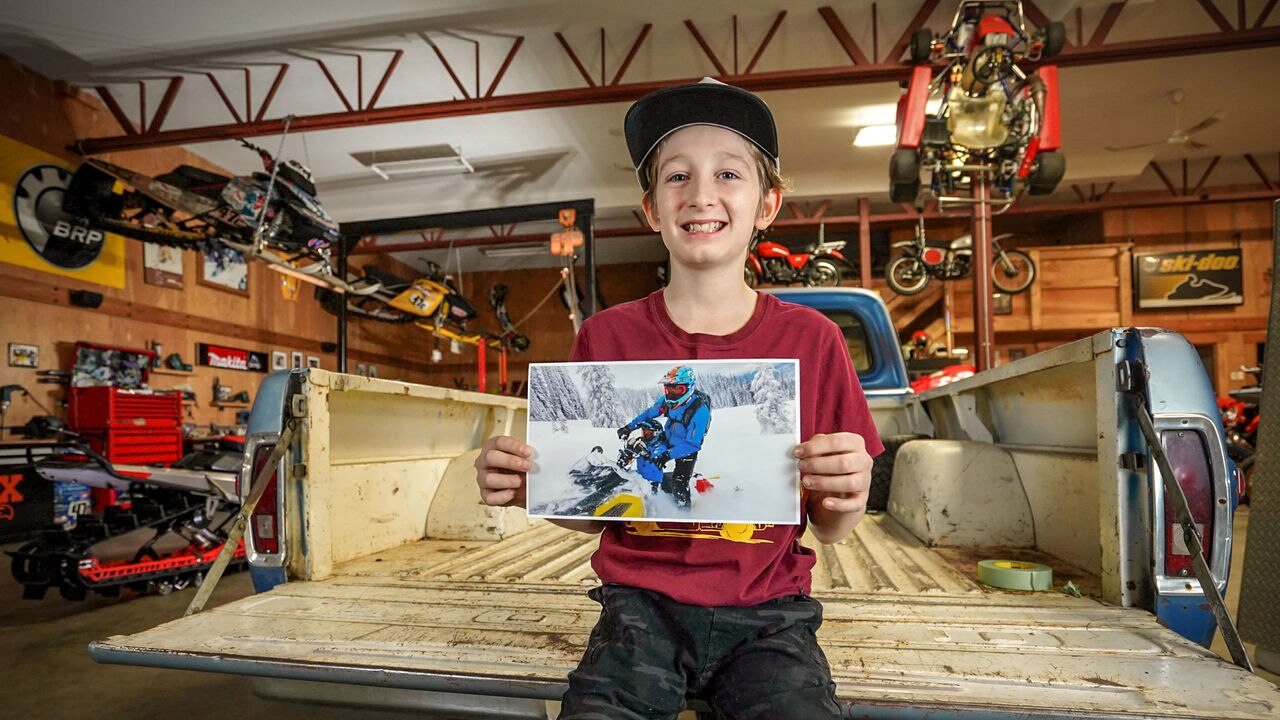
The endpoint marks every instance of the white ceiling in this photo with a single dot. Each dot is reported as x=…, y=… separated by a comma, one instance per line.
x=577, y=152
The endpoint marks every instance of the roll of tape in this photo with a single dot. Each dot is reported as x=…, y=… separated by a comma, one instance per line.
x=1015, y=575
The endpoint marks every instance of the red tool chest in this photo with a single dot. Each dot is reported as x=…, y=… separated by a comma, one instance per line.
x=128, y=426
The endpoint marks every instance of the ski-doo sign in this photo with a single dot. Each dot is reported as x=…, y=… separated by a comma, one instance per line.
x=230, y=358
x=1188, y=278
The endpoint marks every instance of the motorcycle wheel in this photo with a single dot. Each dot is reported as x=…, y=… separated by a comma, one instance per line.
x=750, y=276
x=822, y=273
x=1013, y=271
x=906, y=275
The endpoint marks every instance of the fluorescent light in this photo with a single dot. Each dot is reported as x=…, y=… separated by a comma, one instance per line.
x=526, y=250
x=425, y=160
x=876, y=135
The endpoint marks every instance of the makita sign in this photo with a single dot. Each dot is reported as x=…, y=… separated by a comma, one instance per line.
x=230, y=358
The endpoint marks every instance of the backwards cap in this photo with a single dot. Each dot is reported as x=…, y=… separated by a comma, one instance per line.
x=709, y=102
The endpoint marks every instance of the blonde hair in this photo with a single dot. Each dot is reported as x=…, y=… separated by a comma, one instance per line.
x=770, y=177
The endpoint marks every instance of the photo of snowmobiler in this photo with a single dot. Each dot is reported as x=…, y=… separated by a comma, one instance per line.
x=670, y=441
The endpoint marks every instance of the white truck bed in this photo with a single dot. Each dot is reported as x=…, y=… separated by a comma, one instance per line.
x=905, y=631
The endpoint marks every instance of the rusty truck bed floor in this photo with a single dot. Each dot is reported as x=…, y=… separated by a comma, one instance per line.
x=904, y=629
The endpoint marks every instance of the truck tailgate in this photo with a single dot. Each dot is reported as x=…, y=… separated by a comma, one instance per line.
x=904, y=630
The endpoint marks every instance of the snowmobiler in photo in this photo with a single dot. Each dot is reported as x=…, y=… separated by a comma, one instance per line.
x=687, y=411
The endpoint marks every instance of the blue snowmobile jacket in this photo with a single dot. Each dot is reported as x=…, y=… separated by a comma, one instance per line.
x=686, y=425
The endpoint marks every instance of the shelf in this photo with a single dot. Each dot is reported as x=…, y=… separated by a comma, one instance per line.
x=231, y=405
x=167, y=371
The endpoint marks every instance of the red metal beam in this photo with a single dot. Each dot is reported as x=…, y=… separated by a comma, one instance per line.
x=1266, y=11
x=842, y=36
x=1216, y=15
x=165, y=103
x=768, y=37
x=631, y=54
x=275, y=85
x=377, y=93
x=706, y=48
x=222, y=94
x=917, y=22
x=1212, y=164
x=757, y=82
x=118, y=112
x=1107, y=22
x=576, y=62
x=1163, y=178
x=515, y=47
x=448, y=68
x=1258, y=169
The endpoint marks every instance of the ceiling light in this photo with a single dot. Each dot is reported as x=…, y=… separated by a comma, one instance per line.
x=525, y=250
x=876, y=135
x=423, y=160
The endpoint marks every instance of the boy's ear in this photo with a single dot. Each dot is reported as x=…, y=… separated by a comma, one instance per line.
x=769, y=207
x=651, y=214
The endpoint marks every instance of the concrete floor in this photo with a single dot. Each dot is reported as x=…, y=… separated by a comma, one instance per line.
x=48, y=673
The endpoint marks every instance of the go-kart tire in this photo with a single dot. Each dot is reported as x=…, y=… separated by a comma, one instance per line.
x=1055, y=36
x=1050, y=167
x=904, y=167
x=921, y=45
x=1025, y=273
x=822, y=273
x=904, y=192
x=915, y=276
x=882, y=471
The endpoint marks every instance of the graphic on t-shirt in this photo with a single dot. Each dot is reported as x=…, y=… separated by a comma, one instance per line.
x=704, y=441
x=733, y=532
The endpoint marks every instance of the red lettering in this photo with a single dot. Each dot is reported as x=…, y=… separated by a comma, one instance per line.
x=9, y=489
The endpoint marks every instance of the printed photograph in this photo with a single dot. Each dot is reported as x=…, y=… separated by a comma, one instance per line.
x=665, y=441
x=162, y=266
x=279, y=360
x=225, y=269
x=23, y=355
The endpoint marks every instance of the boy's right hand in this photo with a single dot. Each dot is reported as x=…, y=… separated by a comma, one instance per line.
x=500, y=471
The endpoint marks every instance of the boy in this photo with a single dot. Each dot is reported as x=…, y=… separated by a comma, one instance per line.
x=688, y=413
x=724, y=620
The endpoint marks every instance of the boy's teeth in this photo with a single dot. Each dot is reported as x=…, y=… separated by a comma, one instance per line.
x=707, y=227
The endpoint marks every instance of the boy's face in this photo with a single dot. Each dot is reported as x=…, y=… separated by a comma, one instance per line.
x=707, y=197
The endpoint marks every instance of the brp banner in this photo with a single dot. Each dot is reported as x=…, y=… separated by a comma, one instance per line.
x=35, y=233
x=231, y=358
x=1190, y=278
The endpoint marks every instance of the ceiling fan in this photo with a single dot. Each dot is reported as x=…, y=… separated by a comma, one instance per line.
x=1180, y=136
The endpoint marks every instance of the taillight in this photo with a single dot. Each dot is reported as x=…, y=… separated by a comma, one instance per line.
x=1189, y=457
x=264, y=522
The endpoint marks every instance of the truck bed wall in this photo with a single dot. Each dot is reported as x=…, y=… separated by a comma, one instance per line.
x=1042, y=482
x=377, y=454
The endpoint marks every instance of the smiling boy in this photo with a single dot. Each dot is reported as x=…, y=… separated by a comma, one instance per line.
x=727, y=620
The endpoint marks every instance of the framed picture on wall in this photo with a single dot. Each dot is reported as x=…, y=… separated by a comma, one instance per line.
x=279, y=360
x=225, y=269
x=295, y=360
x=23, y=355
x=162, y=266
x=313, y=361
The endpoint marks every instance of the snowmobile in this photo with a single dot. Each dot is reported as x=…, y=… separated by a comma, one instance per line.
x=432, y=301
x=191, y=502
x=611, y=489
x=271, y=215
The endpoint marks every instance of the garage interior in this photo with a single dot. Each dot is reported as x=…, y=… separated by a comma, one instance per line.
x=448, y=137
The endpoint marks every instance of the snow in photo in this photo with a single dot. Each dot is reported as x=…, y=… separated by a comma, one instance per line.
x=674, y=441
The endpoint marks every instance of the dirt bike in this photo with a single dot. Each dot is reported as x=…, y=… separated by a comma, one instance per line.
x=1012, y=271
x=1240, y=419
x=820, y=264
x=271, y=215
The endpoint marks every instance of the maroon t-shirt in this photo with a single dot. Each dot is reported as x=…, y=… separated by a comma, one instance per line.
x=710, y=564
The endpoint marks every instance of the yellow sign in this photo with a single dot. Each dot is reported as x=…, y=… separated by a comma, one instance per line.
x=35, y=233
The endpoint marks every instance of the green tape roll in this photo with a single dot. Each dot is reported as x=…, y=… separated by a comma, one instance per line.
x=1015, y=575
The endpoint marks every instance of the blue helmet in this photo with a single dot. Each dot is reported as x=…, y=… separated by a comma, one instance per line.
x=678, y=385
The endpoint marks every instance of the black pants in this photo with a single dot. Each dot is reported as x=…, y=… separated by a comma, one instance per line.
x=648, y=653
x=676, y=483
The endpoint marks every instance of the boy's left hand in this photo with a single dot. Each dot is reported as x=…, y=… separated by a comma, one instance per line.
x=836, y=470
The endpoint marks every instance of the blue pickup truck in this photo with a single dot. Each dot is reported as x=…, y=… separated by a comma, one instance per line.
x=385, y=582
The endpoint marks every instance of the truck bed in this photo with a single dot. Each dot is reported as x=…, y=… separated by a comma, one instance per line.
x=906, y=629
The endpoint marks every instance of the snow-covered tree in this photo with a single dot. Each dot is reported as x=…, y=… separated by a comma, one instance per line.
x=553, y=395
x=603, y=406
x=773, y=404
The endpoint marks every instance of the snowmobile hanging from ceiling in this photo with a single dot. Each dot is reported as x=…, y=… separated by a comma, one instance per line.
x=271, y=215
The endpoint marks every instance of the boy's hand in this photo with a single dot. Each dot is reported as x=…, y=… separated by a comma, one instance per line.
x=500, y=471
x=836, y=470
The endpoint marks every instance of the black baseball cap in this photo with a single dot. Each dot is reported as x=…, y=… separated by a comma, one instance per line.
x=709, y=102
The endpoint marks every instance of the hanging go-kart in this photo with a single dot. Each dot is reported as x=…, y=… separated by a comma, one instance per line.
x=271, y=215
x=992, y=117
